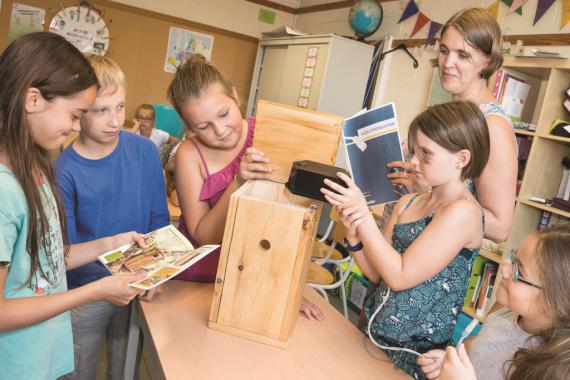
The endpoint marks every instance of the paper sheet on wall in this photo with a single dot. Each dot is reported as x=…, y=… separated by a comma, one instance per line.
x=25, y=19
x=182, y=44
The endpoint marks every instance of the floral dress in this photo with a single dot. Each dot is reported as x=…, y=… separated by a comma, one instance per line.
x=421, y=318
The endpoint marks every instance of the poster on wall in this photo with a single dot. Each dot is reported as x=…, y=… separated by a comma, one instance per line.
x=25, y=19
x=182, y=44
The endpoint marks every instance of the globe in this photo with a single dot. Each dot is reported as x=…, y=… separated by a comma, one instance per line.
x=365, y=17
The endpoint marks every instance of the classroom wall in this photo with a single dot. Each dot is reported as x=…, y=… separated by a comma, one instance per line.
x=336, y=21
x=139, y=41
x=236, y=15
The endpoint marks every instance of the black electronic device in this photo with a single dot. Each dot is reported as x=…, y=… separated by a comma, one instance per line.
x=307, y=178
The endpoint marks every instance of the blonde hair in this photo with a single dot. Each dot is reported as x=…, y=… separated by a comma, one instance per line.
x=109, y=75
x=195, y=76
x=481, y=31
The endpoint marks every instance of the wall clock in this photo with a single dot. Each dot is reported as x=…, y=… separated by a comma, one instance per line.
x=84, y=27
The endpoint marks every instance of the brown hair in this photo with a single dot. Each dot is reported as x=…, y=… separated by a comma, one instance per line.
x=48, y=62
x=145, y=106
x=552, y=359
x=110, y=76
x=455, y=126
x=192, y=78
x=481, y=31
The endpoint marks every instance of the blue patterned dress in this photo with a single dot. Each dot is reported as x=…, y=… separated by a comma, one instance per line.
x=421, y=318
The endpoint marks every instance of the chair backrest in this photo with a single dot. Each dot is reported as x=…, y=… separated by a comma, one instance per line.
x=339, y=231
x=168, y=120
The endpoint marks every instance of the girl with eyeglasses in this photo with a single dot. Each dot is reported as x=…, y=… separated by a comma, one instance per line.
x=529, y=338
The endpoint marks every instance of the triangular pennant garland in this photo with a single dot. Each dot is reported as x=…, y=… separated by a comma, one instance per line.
x=517, y=4
x=411, y=9
x=420, y=22
x=565, y=13
x=494, y=9
x=509, y=3
x=541, y=8
x=434, y=28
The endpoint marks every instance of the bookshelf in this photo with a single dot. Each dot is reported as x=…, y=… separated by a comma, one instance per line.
x=549, y=79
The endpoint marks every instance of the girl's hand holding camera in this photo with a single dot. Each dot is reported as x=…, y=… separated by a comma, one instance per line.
x=349, y=201
x=252, y=166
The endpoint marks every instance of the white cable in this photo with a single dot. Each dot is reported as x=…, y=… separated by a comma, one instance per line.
x=467, y=330
x=378, y=344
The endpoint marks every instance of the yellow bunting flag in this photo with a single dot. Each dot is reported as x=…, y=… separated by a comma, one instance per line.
x=494, y=9
x=565, y=13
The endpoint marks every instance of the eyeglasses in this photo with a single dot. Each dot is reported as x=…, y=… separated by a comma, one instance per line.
x=145, y=120
x=517, y=273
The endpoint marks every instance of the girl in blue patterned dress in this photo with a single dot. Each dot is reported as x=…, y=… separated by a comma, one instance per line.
x=434, y=235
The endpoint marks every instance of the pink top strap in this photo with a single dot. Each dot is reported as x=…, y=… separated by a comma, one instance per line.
x=201, y=156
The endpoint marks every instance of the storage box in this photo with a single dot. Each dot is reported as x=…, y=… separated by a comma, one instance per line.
x=264, y=261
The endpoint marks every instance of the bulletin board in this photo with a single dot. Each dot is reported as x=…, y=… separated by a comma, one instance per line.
x=138, y=44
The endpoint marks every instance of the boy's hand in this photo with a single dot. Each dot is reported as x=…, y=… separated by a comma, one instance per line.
x=430, y=363
x=113, y=242
x=456, y=365
x=311, y=310
x=349, y=201
x=149, y=295
x=252, y=166
x=116, y=289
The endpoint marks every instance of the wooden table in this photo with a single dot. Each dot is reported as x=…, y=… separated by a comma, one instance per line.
x=175, y=325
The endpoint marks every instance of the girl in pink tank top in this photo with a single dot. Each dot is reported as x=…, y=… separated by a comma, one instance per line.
x=214, y=187
x=213, y=163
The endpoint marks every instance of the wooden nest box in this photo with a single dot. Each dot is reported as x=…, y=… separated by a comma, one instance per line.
x=269, y=232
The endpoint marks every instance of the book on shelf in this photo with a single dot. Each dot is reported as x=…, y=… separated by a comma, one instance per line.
x=476, y=271
x=561, y=204
x=511, y=91
x=498, y=83
x=564, y=188
x=167, y=253
x=483, y=274
x=487, y=277
x=372, y=140
x=548, y=219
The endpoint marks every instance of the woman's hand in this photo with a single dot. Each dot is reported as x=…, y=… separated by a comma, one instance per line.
x=349, y=201
x=456, y=365
x=311, y=310
x=252, y=166
x=404, y=176
x=116, y=289
x=430, y=363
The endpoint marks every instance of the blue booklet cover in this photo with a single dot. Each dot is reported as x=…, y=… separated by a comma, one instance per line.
x=372, y=140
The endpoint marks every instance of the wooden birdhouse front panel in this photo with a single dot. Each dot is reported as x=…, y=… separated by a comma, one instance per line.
x=263, y=263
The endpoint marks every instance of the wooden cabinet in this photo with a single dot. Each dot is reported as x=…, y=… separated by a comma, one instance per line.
x=263, y=263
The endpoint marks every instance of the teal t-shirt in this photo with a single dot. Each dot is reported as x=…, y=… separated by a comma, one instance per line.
x=44, y=350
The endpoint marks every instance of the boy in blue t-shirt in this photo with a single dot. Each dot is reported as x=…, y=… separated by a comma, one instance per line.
x=110, y=182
